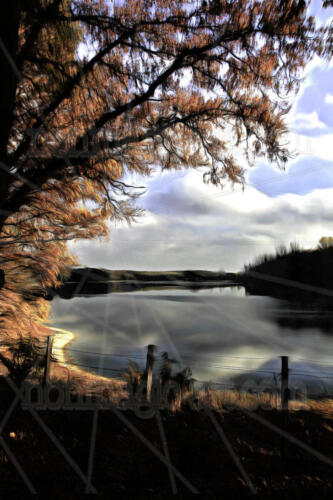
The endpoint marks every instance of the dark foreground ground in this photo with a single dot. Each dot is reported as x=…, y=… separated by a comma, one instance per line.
x=123, y=466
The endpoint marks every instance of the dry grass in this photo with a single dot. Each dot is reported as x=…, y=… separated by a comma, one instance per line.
x=223, y=400
x=232, y=398
x=115, y=390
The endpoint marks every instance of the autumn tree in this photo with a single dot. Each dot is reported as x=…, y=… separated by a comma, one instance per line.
x=94, y=90
x=325, y=242
x=328, y=41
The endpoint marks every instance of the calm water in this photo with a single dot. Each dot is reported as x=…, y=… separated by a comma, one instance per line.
x=221, y=333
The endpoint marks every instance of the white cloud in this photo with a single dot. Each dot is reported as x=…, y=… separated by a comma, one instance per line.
x=233, y=228
x=329, y=98
x=320, y=146
x=309, y=120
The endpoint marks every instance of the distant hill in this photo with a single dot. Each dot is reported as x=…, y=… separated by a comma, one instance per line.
x=94, y=274
x=85, y=281
x=292, y=274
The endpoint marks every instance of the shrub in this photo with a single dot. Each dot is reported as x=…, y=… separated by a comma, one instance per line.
x=26, y=355
x=325, y=242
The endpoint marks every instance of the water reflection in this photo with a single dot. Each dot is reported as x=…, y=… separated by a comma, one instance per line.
x=221, y=333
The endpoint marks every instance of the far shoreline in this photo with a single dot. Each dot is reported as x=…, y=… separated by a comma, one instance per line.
x=87, y=281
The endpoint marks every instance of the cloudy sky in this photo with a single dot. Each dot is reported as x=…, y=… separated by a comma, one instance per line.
x=188, y=224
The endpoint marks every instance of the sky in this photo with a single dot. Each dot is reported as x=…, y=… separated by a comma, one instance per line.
x=190, y=225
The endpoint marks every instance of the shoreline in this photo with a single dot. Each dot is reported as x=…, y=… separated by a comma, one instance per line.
x=87, y=281
x=61, y=340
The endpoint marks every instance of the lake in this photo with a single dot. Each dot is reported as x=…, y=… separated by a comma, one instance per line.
x=222, y=334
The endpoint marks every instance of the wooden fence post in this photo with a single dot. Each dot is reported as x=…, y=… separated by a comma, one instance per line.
x=284, y=383
x=284, y=399
x=47, y=360
x=149, y=368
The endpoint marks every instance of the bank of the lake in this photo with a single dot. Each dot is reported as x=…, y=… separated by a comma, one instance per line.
x=90, y=281
x=295, y=274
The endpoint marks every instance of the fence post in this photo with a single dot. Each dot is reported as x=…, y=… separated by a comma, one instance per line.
x=149, y=368
x=284, y=399
x=47, y=359
x=284, y=383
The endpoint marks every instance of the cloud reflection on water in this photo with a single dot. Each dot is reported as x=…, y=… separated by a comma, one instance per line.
x=219, y=333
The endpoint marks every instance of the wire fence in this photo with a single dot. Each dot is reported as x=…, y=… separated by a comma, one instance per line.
x=71, y=358
x=195, y=363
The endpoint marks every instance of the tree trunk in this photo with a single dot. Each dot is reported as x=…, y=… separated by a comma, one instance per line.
x=9, y=26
